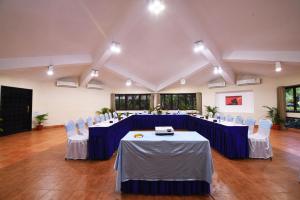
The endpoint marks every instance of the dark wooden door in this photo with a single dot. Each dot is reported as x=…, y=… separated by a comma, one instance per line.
x=16, y=109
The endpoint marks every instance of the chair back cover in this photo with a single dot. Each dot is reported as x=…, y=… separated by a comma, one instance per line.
x=102, y=118
x=115, y=114
x=250, y=123
x=229, y=118
x=222, y=117
x=264, y=127
x=239, y=120
x=80, y=123
x=89, y=121
x=70, y=128
x=110, y=115
x=97, y=118
x=106, y=116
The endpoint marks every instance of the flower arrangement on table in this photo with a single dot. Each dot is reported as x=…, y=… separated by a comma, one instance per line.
x=158, y=109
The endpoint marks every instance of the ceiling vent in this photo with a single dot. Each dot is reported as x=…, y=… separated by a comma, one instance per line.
x=67, y=83
x=248, y=80
x=95, y=84
x=216, y=84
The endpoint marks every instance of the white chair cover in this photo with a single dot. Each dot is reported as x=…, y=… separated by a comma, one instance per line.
x=110, y=115
x=239, y=120
x=259, y=143
x=102, y=118
x=222, y=118
x=106, y=116
x=89, y=121
x=76, y=144
x=229, y=118
x=97, y=119
x=250, y=123
x=115, y=114
x=82, y=128
x=71, y=128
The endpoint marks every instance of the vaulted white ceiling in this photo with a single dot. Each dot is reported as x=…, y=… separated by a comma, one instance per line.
x=243, y=37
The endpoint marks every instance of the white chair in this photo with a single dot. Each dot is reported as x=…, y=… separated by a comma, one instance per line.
x=76, y=144
x=106, y=116
x=115, y=114
x=259, y=143
x=250, y=123
x=102, y=118
x=97, y=119
x=229, y=118
x=110, y=115
x=239, y=120
x=82, y=128
x=222, y=117
x=89, y=121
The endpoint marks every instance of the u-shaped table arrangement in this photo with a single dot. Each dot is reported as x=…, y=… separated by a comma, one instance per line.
x=229, y=139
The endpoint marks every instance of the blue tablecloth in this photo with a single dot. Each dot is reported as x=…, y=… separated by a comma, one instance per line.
x=230, y=141
x=159, y=164
x=166, y=187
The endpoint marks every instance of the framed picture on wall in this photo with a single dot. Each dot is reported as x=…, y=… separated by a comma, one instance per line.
x=233, y=100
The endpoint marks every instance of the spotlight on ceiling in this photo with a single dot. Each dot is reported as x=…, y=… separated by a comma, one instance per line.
x=115, y=47
x=278, y=67
x=94, y=73
x=50, y=70
x=183, y=81
x=218, y=70
x=199, y=46
x=156, y=6
x=128, y=83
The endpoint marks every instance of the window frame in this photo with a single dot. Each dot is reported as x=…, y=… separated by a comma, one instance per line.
x=136, y=102
x=192, y=97
x=294, y=87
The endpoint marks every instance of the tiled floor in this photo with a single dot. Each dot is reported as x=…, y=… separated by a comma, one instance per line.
x=32, y=166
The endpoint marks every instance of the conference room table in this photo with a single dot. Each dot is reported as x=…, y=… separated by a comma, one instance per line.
x=229, y=139
x=179, y=164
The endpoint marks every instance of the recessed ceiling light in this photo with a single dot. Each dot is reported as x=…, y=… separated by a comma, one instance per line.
x=218, y=70
x=182, y=81
x=128, y=83
x=199, y=46
x=50, y=70
x=115, y=47
x=94, y=73
x=156, y=6
x=278, y=67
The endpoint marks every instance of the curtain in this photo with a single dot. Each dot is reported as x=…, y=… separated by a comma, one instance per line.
x=152, y=101
x=281, y=104
x=113, y=101
x=199, y=102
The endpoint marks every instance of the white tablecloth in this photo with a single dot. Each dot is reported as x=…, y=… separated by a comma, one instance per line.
x=182, y=157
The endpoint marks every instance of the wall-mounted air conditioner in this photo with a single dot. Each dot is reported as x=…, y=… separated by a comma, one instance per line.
x=217, y=84
x=67, y=83
x=248, y=81
x=96, y=86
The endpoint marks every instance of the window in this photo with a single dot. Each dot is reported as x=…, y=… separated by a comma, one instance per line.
x=132, y=101
x=292, y=99
x=178, y=101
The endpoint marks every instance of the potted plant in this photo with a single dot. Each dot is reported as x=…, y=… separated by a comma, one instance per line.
x=40, y=119
x=273, y=114
x=102, y=111
x=211, y=109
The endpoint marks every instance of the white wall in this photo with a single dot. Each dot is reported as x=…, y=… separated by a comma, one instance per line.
x=264, y=94
x=247, y=102
x=62, y=104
